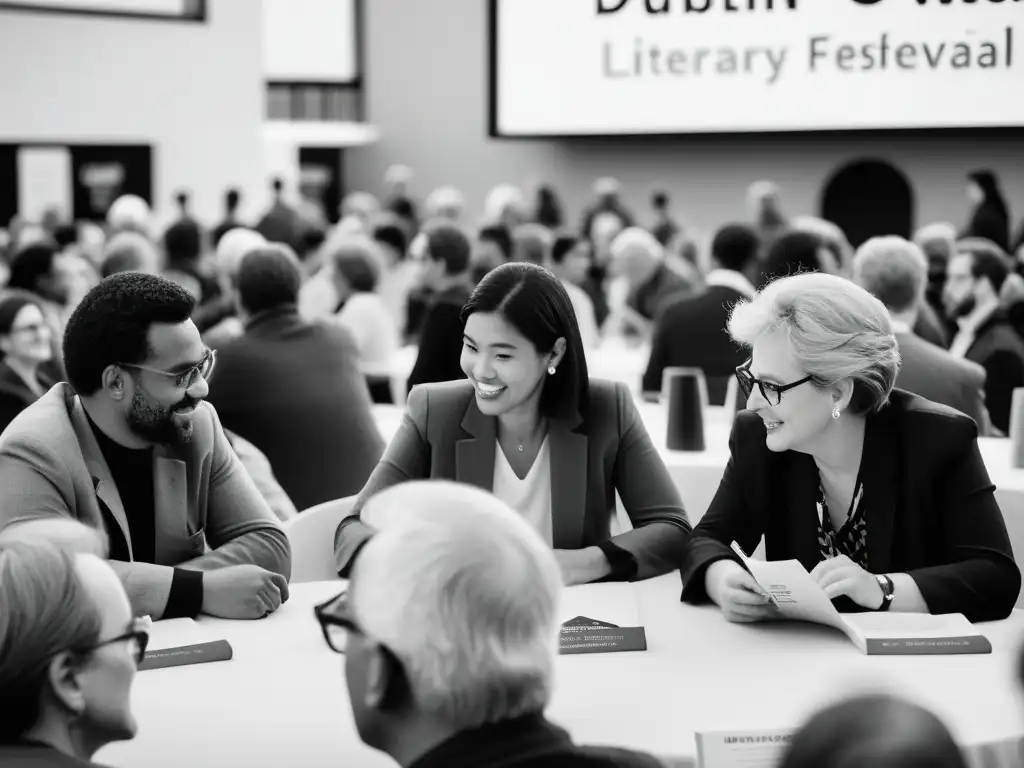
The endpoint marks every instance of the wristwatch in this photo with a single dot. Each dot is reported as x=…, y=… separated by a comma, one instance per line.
x=888, y=590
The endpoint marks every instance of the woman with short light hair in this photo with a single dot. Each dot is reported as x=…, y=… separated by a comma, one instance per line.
x=69, y=650
x=881, y=495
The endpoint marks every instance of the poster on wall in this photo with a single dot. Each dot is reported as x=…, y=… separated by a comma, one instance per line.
x=634, y=67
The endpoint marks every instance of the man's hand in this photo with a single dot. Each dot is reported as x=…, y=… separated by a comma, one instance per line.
x=243, y=592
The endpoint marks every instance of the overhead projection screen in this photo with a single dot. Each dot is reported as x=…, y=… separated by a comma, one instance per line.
x=634, y=67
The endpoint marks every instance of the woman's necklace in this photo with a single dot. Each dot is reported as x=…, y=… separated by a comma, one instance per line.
x=520, y=446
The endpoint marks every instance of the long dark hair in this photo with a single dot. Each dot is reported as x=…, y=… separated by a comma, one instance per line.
x=536, y=304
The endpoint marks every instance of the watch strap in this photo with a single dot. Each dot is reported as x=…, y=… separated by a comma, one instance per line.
x=888, y=591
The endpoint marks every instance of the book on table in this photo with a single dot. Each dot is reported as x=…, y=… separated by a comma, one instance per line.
x=799, y=598
x=179, y=642
x=618, y=629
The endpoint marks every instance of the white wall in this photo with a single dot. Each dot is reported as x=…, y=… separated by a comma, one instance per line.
x=310, y=40
x=194, y=91
x=426, y=75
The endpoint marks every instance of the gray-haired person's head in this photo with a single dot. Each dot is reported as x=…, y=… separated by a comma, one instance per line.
x=66, y=662
x=893, y=270
x=461, y=594
x=822, y=350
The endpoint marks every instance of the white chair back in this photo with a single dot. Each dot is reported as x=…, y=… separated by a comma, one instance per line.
x=311, y=534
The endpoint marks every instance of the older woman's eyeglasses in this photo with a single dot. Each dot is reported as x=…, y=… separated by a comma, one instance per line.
x=138, y=636
x=335, y=623
x=770, y=391
x=184, y=379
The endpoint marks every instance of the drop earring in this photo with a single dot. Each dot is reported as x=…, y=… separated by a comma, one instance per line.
x=835, y=412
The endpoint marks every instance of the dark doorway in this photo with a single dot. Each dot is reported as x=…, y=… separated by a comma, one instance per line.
x=867, y=198
x=8, y=183
x=102, y=173
x=320, y=179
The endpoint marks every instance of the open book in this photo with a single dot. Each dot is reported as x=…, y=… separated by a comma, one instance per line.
x=799, y=598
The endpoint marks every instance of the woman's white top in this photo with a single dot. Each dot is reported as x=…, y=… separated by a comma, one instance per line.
x=367, y=317
x=531, y=496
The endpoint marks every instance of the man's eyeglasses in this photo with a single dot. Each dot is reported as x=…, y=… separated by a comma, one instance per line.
x=334, y=624
x=771, y=392
x=138, y=635
x=188, y=378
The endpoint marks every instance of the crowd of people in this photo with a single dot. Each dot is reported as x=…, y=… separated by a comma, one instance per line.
x=162, y=423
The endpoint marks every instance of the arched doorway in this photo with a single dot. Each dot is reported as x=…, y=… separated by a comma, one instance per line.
x=867, y=198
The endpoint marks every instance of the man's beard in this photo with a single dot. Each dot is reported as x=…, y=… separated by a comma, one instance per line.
x=156, y=424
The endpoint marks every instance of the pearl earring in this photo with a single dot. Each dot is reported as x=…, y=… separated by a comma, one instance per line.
x=835, y=412
x=551, y=370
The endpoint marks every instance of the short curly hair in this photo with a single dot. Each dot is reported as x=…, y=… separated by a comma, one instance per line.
x=111, y=324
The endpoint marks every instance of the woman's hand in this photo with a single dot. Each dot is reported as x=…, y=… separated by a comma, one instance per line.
x=737, y=593
x=842, y=576
x=582, y=566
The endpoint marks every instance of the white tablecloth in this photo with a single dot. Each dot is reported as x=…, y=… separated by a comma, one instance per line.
x=281, y=701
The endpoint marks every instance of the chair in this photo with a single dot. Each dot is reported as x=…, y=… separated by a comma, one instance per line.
x=312, y=538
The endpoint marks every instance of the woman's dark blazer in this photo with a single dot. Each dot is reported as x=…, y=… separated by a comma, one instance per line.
x=931, y=510
x=445, y=436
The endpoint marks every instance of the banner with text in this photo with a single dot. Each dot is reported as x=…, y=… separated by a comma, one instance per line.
x=619, y=67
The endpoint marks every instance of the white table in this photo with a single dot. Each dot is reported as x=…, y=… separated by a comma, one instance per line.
x=282, y=699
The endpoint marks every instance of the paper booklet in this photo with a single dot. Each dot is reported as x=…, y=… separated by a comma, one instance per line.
x=177, y=642
x=585, y=635
x=799, y=598
x=619, y=628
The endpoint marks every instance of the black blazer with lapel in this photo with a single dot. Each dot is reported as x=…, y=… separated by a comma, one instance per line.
x=931, y=511
x=445, y=436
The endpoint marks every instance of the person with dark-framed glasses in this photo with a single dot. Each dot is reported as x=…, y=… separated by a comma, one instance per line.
x=449, y=627
x=129, y=446
x=69, y=650
x=881, y=495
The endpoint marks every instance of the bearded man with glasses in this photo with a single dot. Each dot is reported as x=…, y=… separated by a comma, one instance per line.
x=129, y=446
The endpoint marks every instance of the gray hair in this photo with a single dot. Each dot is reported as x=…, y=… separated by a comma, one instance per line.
x=893, y=270
x=836, y=330
x=444, y=203
x=938, y=240
x=466, y=595
x=129, y=251
x=46, y=609
x=639, y=239
x=235, y=245
x=63, y=533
